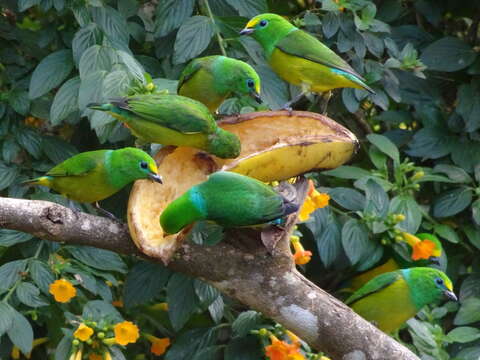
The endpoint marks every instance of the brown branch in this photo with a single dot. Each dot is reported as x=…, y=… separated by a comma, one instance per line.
x=267, y=283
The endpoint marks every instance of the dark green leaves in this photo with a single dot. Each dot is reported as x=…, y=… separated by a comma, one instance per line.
x=29, y=294
x=355, y=240
x=65, y=101
x=51, y=71
x=144, y=282
x=448, y=54
x=193, y=37
x=249, y=8
x=246, y=321
x=10, y=273
x=12, y=237
x=385, y=145
x=452, y=202
x=171, y=14
x=85, y=38
x=20, y=332
x=182, y=300
x=41, y=275
x=377, y=201
x=98, y=258
x=469, y=105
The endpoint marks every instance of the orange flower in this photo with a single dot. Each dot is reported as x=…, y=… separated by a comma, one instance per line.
x=117, y=303
x=301, y=256
x=126, y=332
x=62, y=290
x=93, y=356
x=421, y=249
x=159, y=345
x=83, y=332
x=281, y=350
x=314, y=201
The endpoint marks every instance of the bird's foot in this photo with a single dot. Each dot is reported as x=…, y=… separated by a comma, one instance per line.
x=288, y=108
x=107, y=213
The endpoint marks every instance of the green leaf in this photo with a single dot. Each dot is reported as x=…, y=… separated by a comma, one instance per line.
x=448, y=54
x=10, y=273
x=91, y=89
x=9, y=174
x=469, y=312
x=469, y=353
x=65, y=101
x=208, y=353
x=377, y=201
x=187, y=344
x=249, y=8
x=30, y=141
x=50, y=72
x=144, y=281
x=347, y=172
x=385, y=145
x=330, y=24
x=21, y=332
x=347, y=198
x=329, y=242
x=98, y=309
x=206, y=233
x=182, y=300
x=454, y=173
x=41, y=275
x=463, y=334
x=476, y=211
x=171, y=14
x=246, y=321
x=127, y=7
x=192, y=38
x=205, y=292
x=244, y=348
x=98, y=258
x=63, y=348
x=406, y=205
x=10, y=150
x=469, y=105
x=6, y=320
x=354, y=240
x=27, y=4
x=85, y=38
x=445, y=231
x=113, y=24
x=57, y=150
x=12, y=237
x=29, y=294
x=166, y=84
x=96, y=58
x=216, y=309
x=274, y=91
x=452, y=202
x=19, y=101
x=470, y=287
x=115, y=84
x=134, y=68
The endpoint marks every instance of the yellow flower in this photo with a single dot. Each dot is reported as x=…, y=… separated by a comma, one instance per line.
x=281, y=350
x=62, y=290
x=301, y=256
x=15, y=354
x=83, y=332
x=314, y=201
x=76, y=355
x=421, y=249
x=126, y=332
x=159, y=345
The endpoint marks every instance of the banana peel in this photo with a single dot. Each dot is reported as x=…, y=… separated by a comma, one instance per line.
x=276, y=145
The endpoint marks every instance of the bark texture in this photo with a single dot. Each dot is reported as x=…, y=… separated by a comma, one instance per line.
x=266, y=282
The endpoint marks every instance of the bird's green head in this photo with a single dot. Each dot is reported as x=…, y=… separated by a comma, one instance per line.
x=133, y=164
x=183, y=211
x=267, y=29
x=224, y=144
x=243, y=79
x=428, y=285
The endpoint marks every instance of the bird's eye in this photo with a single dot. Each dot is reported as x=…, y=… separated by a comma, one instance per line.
x=263, y=23
x=250, y=83
x=143, y=165
x=439, y=281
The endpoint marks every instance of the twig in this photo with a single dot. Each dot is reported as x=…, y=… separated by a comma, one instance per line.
x=217, y=33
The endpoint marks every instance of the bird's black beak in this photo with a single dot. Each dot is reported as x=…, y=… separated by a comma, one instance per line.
x=246, y=31
x=435, y=260
x=155, y=177
x=450, y=295
x=256, y=96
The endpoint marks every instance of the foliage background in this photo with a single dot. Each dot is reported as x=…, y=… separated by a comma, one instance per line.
x=420, y=56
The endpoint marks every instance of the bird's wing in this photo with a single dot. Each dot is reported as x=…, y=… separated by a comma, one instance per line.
x=171, y=111
x=188, y=73
x=375, y=285
x=78, y=165
x=301, y=44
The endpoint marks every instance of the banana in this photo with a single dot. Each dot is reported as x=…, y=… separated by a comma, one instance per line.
x=275, y=146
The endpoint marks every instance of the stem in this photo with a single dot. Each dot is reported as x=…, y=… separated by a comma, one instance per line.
x=217, y=33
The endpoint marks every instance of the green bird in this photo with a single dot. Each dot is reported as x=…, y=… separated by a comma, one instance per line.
x=228, y=199
x=392, y=298
x=212, y=79
x=301, y=59
x=95, y=175
x=172, y=120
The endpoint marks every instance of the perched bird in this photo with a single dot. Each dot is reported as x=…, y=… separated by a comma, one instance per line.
x=392, y=298
x=395, y=262
x=212, y=79
x=230, y=200
x=95, y=175
x=301, y=59
x=172, y=120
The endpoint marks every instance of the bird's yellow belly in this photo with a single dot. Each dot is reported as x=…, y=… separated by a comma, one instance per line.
x=88, y=189
x=301, y=72
x=389, y=308
x=200, y=88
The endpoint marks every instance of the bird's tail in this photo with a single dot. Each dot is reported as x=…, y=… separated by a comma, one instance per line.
x=42, y=180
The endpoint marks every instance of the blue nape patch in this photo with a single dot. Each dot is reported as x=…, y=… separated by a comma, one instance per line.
x=198, y=201
x=406, y=273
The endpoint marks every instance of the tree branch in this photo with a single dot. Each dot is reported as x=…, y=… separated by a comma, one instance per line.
x=264, y=282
